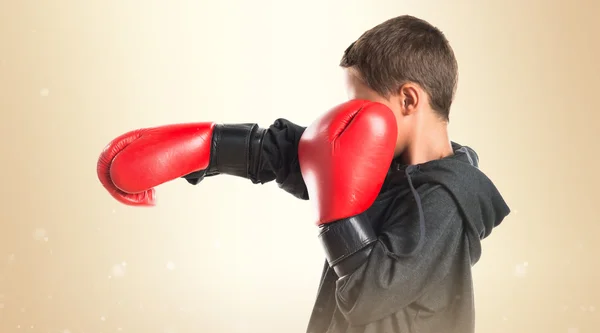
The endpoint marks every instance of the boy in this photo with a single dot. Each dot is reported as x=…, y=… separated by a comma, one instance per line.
x=404, y=263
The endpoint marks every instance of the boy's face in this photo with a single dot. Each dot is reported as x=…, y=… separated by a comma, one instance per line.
x=356, y=89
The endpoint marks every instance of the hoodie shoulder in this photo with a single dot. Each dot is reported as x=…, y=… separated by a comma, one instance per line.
x=479, y=201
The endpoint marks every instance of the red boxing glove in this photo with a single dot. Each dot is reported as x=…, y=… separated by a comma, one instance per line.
x=344, y=158
x=134, y=163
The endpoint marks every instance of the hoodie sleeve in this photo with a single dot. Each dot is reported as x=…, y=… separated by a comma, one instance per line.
x=279, y=158
x=395, y=274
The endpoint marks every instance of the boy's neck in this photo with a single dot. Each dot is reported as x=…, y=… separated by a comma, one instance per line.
x=429, y=142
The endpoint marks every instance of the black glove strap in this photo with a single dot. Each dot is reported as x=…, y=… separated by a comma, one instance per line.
x=235, y=148
x=344, y=238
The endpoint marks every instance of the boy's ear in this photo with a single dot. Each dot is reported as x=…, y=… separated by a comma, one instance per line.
x=410, y=97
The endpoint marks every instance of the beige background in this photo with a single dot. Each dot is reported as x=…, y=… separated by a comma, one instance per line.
x=221, y=257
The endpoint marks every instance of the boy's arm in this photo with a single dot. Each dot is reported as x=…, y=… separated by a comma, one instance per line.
x=273, y=155
x=393, y=274
x=279, y=158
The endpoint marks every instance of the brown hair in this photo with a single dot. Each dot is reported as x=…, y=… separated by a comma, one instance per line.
x=406, y=49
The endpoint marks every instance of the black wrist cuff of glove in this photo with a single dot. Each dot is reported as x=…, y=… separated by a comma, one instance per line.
x=347, y=238
x=235, y=150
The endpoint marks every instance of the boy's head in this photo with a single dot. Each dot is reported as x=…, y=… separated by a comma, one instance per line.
x=407, y=64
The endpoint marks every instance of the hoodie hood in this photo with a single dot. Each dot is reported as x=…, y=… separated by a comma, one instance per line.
x=479, y=201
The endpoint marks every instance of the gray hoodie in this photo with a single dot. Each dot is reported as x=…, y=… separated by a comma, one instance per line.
x=430, y=219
